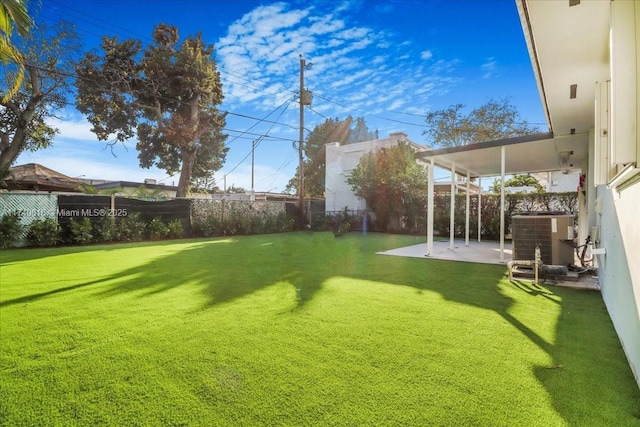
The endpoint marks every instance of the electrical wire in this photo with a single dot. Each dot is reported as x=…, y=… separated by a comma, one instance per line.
x=261, y=138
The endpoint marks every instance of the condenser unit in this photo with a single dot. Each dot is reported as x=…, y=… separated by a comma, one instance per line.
x=554, y=234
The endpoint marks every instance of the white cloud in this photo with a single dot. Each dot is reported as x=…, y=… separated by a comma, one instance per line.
x=489, y=68
x=426, y=54
x=75, y=128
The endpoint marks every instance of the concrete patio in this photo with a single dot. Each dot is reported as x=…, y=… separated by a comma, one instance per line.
x=483, y=252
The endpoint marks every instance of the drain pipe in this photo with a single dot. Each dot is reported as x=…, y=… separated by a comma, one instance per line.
x=537, y=263
x=523, y=263
x=526, y=263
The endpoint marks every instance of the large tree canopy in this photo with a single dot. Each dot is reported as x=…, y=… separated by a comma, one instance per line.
x=166, y=94
x=452, y=127
x=393, y=185
x=24, y=116
x=331, y=130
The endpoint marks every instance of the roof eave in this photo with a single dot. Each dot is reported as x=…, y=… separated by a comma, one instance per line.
x=533, y=55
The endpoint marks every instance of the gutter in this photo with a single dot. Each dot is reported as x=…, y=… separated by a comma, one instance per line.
x=525, y=20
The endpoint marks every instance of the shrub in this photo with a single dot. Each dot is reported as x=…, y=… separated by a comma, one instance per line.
x=342, y=223
x=44, y=232
x=130, y=228
x=175, y=229
x=80, y=230
x=106, y=230
x=239, y=224
x=10, y=229
x=157, y=229
x=210, y=226
x=284, y=223
x=257, y=225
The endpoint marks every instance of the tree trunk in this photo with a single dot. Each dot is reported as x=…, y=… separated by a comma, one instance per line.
x=12, y=149
x=188, y=160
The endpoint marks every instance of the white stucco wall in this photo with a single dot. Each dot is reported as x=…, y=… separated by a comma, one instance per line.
x=340, y=161
x=557, y=181
x=619, y=268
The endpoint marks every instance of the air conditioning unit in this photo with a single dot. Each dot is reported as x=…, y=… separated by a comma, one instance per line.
x=553, y=232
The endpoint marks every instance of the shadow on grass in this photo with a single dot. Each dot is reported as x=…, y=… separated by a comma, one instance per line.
x=227, y=269
x=588, y=361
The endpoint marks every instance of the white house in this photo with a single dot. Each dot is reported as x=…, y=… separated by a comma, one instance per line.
x=341, y=160
x=586, y=60
x=585, y=56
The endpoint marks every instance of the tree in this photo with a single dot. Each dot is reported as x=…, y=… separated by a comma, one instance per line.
x=49, y=67
x=331, y=130
x=361, y=132
x=494, y=120
x=518, y=181
x=166, y=95
x=233, y=189
x=13, y=17
x=393, y=185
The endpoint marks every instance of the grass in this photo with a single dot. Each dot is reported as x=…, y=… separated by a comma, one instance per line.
x=298, y=329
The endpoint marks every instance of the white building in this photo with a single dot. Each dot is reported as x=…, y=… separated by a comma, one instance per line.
x=342, y=159
x=558, y=181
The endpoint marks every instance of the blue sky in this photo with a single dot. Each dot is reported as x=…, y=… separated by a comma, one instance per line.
x=389, y=61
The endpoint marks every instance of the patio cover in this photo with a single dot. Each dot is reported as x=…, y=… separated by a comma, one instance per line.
x=533, y=153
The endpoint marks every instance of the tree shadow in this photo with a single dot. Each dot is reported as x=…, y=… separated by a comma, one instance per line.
x=228, y=269
x=588, y=360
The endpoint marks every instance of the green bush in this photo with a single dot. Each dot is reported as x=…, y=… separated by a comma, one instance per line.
x=130, y=228
x=243, y=223
x=211, y=226
x=10, y=229
x=106, y=230
x=157, y=229
x=175, y=229
x=239, y=224
x=257, y=225
x=284, y=223
x=342, y=223
x=44, y=232
x=80, y=230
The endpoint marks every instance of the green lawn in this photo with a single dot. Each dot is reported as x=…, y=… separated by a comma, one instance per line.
x=300, y=329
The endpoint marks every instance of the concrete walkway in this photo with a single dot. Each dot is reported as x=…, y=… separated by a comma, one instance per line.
x=483, y=252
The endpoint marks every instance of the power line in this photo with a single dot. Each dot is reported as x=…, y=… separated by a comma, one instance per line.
x=257, y=142
x=373, y=115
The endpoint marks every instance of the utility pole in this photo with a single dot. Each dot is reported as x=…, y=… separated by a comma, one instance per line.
x=253, y=149
x=305, y=99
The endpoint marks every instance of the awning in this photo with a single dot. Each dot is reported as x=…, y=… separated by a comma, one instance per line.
x=533, y=153
x=540, y=152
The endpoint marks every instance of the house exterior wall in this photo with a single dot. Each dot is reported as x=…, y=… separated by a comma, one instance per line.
x=619, y=270
x=614, y=211
x=340, y=161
